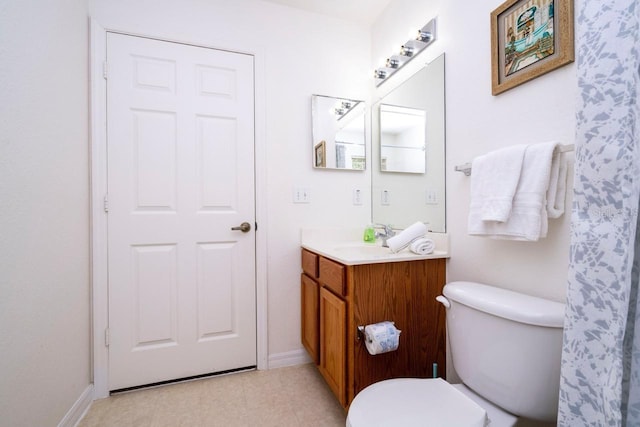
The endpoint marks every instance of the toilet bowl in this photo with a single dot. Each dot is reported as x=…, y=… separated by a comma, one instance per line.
x=506, y=348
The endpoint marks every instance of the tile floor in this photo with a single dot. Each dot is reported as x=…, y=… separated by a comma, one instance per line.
x=294, y=396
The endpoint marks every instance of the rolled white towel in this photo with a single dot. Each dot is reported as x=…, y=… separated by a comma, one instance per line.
x=422, y=246
x=406, y=236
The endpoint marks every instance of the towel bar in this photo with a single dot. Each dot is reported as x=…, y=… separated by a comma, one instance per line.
x=466, y=168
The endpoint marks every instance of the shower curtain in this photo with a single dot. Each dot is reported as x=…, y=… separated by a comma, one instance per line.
x=600, y=376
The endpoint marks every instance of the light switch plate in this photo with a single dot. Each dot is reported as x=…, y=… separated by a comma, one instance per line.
x=357, y=197
x=432, y=197
x=301, y=195
x=385, y=198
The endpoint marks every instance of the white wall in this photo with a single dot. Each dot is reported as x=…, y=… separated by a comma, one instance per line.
x=44, y=205
x=44, y=297
x=304, y=54
x=477, y=122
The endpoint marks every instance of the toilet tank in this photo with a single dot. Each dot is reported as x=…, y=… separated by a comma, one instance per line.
x=506, y=347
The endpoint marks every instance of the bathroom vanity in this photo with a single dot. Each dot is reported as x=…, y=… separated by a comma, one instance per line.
x=345, y=286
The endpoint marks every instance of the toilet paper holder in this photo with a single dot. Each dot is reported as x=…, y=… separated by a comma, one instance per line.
x=381, y=337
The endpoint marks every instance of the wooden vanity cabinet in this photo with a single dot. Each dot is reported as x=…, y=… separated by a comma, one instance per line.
x=337, y=298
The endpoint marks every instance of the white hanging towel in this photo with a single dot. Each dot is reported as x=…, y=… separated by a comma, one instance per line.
x=493, y=184
x=528, y=219
x=557, y=186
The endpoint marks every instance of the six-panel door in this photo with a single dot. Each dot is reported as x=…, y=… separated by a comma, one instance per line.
x=180, y=176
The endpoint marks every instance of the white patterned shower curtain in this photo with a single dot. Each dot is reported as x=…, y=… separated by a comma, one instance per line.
x=600, y=378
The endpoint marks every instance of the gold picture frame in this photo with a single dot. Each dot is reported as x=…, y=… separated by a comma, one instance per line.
x=320, y=155
x=529, y=38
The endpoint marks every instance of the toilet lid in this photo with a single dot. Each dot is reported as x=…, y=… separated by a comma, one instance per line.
x=416, y=402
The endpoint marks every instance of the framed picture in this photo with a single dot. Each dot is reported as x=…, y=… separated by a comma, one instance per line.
x=528, y=39
x=320, y=155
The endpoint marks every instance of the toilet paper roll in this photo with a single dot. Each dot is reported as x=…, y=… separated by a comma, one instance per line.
x=381, y=337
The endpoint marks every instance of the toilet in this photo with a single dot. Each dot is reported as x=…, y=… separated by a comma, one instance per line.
x=506, y=348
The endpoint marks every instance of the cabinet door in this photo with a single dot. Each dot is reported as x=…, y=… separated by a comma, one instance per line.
x=310, y=316
x=333, y=343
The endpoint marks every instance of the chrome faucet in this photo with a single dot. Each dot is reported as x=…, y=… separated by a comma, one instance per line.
x=386, y=234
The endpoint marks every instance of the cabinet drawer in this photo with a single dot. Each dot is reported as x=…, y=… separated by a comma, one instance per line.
x=310, y=263
x=332, y=275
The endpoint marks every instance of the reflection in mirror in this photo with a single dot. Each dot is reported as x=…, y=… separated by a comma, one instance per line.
x=338, y=129
x=402, y=139
x=400, y=199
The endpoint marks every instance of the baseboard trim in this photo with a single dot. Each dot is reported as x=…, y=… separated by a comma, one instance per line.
x=77, y=411
x=289, y=358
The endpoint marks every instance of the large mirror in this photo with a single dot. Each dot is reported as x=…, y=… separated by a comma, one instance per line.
x=338, y=131
x=408, y=151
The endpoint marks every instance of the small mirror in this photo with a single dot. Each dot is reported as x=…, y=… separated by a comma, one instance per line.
x=402, y=139
x=338, y=129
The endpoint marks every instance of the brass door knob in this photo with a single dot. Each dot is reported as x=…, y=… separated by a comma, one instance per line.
x=244, y=227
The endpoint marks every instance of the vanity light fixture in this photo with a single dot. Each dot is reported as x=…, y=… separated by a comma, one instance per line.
x=343, y=106
x=381, y=74
x=408, y=51
x=424, y=36
x=393, y=63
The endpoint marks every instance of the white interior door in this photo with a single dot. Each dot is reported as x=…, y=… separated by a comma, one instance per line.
x=180, y=137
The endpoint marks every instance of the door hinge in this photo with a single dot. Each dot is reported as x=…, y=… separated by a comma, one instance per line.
x=104, y=69
x=106, y=337
x=105, y=203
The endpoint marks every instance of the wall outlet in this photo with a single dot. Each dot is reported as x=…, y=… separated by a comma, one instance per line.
x=301, y=195
x=357, y=197
x=385, y=198
x=432, y=197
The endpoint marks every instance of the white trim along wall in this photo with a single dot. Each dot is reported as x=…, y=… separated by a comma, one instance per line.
x=79, y=408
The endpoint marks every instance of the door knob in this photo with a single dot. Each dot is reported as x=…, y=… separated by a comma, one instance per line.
x=244, y=227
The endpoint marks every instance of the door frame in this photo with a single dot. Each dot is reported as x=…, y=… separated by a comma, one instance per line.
x=98, y=179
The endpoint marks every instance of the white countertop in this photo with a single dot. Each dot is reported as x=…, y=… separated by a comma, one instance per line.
x=347, y=247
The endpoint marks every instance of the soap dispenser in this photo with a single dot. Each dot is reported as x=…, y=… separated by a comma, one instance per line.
x=370, y=234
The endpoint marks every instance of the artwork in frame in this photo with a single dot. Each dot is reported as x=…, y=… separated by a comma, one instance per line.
x=528, y=39
x=320, y=155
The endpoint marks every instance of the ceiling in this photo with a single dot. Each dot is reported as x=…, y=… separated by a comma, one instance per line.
x=362, y=11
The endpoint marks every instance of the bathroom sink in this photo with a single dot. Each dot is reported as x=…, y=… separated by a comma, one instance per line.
x=346, y=246
x=363, y=253
x=362, y=249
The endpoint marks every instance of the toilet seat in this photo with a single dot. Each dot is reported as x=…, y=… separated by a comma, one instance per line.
x=409, y=402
